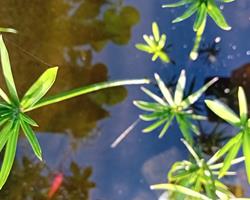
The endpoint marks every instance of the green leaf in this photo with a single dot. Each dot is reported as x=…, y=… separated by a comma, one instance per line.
x=152, y=116
x=154, y=96
x=223, y=111
x=84, y=90
x=246, y=152
x=216, y=15
x=185, y=128
x=9, y=154
x=162, y=41
x=236, y=139
x=155, y=56
x=164, y=90
x=164, y=57
x=28, y=120
x=156, y=32
x=31, y=138
x=144, y=47
x=191, y=151
x=4, y=96
x=149, y=41
x=200, y=17
x=177, y=4
x=5, y=134
x=7, y=30
x=232, y=153
x=195, y=96
x=148, y=106
x=166, y=126
x=179, y=188
x=179, y=91
x=188, y=13
x=154, y=125
x=7, y=71
x=39, y=88
x=242, y=104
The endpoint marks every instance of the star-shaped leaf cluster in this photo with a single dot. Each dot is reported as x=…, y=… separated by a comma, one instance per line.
x=197, y=178
x=165, y=110
x=242, y=138
x=202, y=8
x=155, y=44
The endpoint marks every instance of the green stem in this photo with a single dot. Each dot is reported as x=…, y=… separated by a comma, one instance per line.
x=83, y=90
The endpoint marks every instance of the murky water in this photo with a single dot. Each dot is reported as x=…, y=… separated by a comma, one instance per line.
x=93, y=41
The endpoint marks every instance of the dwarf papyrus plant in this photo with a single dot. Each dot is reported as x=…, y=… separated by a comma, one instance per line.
x=196, y=178
x=13, y=110
x=202, y=8
x=165, y=109
x=242, y=138
x=155, y=44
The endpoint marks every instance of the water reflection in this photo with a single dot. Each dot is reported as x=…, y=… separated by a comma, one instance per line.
x=33, y=180
x=67, y=33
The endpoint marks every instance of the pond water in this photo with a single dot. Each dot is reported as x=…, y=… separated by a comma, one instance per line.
x=93, y=41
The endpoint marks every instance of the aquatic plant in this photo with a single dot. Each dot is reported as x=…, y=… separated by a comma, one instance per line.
x=202, y=8
x=196, y=178
x=242, y=138
x=155, y=44
x=165, y=109
x=7, y=30
x=13, y=110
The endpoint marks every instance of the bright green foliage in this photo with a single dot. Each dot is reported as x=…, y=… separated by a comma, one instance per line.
x=242, y=138
x=155, y=44
x=165, y=109
x=12, y=109
x=196, y=178
x=7, y=30
x=202, y=8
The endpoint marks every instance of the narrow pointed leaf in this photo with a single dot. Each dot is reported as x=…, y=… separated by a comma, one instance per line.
x=6, y=67
x=236, y=139
x=84, y=90
x=144, y=47
x=156, y=32
x=242, y=104
x=179, y=91
x=185, y=129
x=162, y=41
x=246, y=152
x=149, y=41
x=154, y=126
x=216, y=15
x=166, y=126
x=177, y=4
x=28, y=120
x=181, y=189
x=164, y=57
x=148, y=106
x=151, y=117
x=154, y=96
x=195, y=96
x=232, y=153
x=8, y=30
x=188, y=13
x=39, y=88
x=5, y=134
x=164, y=90
x=200, y=17
x=155, y=56
x=223, y=111
x=9, y=154
x=31, y=138
x=191, y=150
x=4, y=96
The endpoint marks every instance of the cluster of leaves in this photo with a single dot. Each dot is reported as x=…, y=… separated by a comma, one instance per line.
x=13, y=110
x=155, y=44
x=164, y=110
x=242, y=138
x=202, y=8
x=197, y=178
